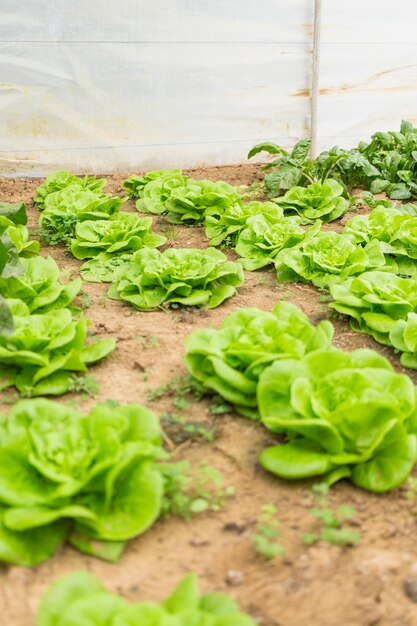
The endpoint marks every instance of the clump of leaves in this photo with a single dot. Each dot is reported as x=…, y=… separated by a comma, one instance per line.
x=188, y=491
x=265, y=540
x=80, y=598
x=181, y=389
x=84, y=384
x=180, y=276
x=331, y=522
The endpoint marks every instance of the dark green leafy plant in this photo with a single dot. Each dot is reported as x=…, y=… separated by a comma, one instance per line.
x=79, y=598
x=189, y=277
x=230, y=360
x=346, y=415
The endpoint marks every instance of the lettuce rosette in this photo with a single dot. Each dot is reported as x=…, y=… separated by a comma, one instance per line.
x=346, y=415
x=89, y=479
x=122, y=232
x=191, y=203
x=153, y=188
x=322, y=201
x=230, y=360
x=225, y=226
x=189, y=277
x=40, y=286
x=45, y=348
x=62, y=179
x=326, y=258
x=80, y=598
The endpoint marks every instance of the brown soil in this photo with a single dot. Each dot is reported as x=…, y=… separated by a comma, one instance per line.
x=322, y=585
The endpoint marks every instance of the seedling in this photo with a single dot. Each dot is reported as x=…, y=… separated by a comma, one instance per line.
x=179, y=429
x=265, y=540
x=331, y=529
x=87, y=384
x=189, y=491
x=147, y=341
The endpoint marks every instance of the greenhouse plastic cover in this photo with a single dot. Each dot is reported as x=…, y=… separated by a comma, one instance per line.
x=104, y=86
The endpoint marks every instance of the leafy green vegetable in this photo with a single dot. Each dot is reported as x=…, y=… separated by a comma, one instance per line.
x=317, y=201
x=6, y=321
x=190, y=277
x=62, y=470
x=60, y=180
x=106, y=268
x=64, y=208
x=374, y=301
x=10, y=264
x=15, y=213
x=79, y=598
x=225, y=226
x=262, y=239
x=230, y=360
x=326, y=258
x=191, y=203
x=137, y=186
x=122, y=232
x=347, y=414
x=44, y=349
x=40, y=287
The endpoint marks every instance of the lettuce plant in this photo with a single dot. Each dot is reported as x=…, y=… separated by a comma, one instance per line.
x=135, y=185
x=327, y=258
x=225, y=226
x=262, y=239
x=381, y=224
x=44, y=349
x=403, y=337
x=346, y=414
x=79, y=598
x=230, y=360
x=106, y=267
x=63, y=209
x=189, y=277
x=190, y=203
x=374, y=301
x=39, y=286
x=90, y=479
x=122, y=232
x=322, y=201
x=60, y=180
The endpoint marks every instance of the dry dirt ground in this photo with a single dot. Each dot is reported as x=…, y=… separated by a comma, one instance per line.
x=322, y=585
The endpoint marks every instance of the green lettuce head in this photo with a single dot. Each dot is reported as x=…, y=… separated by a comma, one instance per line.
x=346, y=414
x=326, y=258
x=189, y=277
x=230, y=360
x=191, y=203
x=80, y=598
x=122, y=232
x=76, y=476
x=60, y=180
x=322, y=201
x=136, y=186
x=225, y=226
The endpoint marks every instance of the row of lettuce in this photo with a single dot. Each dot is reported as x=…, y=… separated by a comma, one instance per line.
x=44, y=340
x=343, y=414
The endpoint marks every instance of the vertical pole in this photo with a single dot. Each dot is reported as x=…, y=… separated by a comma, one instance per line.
x=315, y=79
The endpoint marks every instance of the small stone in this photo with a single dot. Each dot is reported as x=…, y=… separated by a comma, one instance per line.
x=235, y=527
x=197, y=542
x=410, y=588
x=234, y=577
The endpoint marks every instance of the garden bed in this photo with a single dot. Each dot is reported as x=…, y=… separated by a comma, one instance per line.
x=363, y=585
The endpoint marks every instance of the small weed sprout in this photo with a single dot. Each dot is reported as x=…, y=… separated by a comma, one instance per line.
x=189, y=491
x=265, y=539
x=331, y=529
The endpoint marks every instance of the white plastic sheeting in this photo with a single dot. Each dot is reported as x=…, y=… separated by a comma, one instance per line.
x=136, y=84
